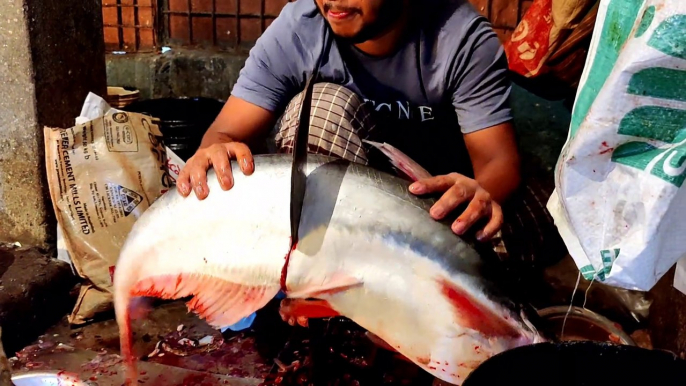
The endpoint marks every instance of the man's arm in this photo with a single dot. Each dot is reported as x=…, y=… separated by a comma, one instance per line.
x=266, y=83
x=495, y=160
x=480, y=88
x=239, y=121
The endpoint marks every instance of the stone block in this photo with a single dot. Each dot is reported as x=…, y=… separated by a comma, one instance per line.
x=35, y=293
x=48, y=64
x=178, y=73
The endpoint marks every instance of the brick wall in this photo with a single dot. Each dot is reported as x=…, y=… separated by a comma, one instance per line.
x=144, y=25
x=130, y=25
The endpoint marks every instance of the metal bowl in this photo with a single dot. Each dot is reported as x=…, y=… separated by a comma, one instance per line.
x=583, y=324
x=47, y=378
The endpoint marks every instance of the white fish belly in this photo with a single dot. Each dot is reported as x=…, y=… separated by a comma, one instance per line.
x=400, y=300
x=227, y=235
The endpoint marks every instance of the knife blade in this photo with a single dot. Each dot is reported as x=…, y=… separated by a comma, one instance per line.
x=300, y=148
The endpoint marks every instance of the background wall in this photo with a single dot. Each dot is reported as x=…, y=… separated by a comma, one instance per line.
x=145, y=25
x=206, y=41
x=209, y=41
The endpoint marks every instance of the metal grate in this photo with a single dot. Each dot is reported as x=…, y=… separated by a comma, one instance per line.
x=129, y=25
x=233, y=24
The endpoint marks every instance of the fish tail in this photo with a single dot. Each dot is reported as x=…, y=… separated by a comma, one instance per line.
x=401, y=161
x=124, y=317
x=218, y=301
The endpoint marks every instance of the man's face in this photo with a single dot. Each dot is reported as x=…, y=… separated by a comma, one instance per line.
x=360, y=20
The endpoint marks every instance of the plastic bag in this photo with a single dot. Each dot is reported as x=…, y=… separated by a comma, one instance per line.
x=103, y=174
x=546, y=26
x=619, y=203
x=631, y=309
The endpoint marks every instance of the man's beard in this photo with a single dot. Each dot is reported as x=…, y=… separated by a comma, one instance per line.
x=389, y=13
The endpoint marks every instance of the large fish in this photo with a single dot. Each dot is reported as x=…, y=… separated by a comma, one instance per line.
x=368, y=249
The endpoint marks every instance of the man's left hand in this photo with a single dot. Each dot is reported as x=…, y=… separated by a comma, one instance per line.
x=458, y=189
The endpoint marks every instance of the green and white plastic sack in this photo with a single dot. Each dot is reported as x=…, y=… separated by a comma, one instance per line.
x=619, y=203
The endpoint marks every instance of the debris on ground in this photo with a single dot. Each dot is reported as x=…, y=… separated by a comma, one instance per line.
x=338, y=352
x=185, y=346
x=183, y=342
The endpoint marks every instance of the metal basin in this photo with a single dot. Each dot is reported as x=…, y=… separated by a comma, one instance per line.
x=584, y=325
x=580, y=364
x=47, y=378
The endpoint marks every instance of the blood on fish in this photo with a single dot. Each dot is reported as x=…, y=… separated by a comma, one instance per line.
x=284, y=270
x=473, y=315
x=126, y=338
x=307, y=308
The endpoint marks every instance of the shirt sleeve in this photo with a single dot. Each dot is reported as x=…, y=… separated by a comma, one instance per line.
x=480, y=83
x=272, y=74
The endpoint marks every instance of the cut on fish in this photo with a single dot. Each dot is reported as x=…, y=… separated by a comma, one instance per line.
x=368, y=250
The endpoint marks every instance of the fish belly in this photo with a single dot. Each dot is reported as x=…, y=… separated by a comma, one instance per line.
x=399, y=296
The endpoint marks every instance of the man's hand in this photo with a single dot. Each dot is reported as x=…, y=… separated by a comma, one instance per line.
x=218, y=156
x=458, y=189
x=237, y=123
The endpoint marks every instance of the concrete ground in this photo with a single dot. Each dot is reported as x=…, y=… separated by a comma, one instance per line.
x=235, y=354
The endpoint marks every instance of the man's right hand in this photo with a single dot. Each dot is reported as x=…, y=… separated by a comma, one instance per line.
x=218, y=156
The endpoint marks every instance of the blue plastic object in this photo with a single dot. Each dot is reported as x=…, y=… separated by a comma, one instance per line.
x=242, y=324
x=247, y=322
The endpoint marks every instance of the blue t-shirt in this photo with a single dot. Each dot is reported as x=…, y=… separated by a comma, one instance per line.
x=447, y=78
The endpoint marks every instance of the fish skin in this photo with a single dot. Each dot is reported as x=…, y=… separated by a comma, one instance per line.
x=367, y=247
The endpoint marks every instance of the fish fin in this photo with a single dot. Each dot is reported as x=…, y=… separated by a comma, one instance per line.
x=220, y=302
x=401, y=161
x=337, y=283
x=471, y=313
x=306, y=308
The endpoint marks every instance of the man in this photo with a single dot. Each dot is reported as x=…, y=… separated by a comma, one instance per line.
x=436, y=62
x=429, y=77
